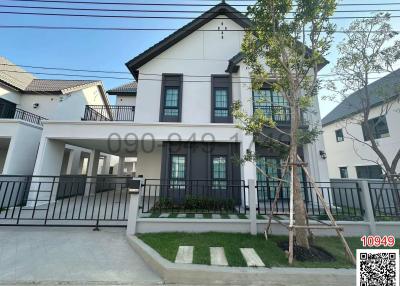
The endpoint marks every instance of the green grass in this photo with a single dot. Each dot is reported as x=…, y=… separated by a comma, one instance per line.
x=155, y=215
x=167, y=245
x=207, y=215
x=173, y=215
x=242, y=216
x=189, y=215
x=260, y=217
x=225, y=216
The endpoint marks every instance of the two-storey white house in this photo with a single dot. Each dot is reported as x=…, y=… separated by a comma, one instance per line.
x=178, y=122
x=26, y=102
x=349, y=155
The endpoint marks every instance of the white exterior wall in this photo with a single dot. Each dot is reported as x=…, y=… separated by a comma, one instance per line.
x=149, y=163
x=126, y=100
x=344, y=154
x=22, y=150
x=62, y=107
x=201, y=53
x=9, y=94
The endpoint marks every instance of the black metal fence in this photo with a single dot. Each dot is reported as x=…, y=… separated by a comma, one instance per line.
x=109, y=113
x=28, y=116
x=385, y=201
x=65, y=200
x=194, y=196
x=343, y=199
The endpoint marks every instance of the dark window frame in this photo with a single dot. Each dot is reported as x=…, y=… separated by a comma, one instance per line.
x=343, y=175
x=171, y=81
x=170, y=178
x=377, y=134
x=367, y=169
x=212, y=172
x=339, y=138
x=221, y=82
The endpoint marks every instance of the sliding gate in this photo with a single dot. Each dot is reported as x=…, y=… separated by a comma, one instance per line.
x=64, y=201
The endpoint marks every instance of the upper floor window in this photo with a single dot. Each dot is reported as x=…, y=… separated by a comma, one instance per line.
x=221, y=99
x=339, y=135
x=272, y=104
x=171, y=98
x=378, y=127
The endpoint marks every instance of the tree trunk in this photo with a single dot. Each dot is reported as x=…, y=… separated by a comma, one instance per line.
x=298, y=203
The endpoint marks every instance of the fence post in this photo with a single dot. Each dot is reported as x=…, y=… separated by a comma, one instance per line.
x=368, y=208
x=134, y=194
x=253, y=207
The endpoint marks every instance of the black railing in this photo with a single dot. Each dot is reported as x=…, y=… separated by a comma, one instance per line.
x=109, y=113
x=194, y=196
x=280, y=114
x=385, y=202
x=343, y=199
x=63, y=200
x=25, y=116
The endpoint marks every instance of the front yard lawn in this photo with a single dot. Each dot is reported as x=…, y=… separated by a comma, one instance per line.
x=167, y=245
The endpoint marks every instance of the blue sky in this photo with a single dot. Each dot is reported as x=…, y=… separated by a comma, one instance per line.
x=108, y=50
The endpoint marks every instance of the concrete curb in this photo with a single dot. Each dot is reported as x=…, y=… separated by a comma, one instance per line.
x=204, y=274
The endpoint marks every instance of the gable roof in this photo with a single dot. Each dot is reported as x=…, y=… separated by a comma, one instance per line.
x=220, y=9
x=125, y=89
x=14, y=76
x=379, y=91
x=58, y=86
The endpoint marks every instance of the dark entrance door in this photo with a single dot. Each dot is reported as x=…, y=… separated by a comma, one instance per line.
x=7, y=109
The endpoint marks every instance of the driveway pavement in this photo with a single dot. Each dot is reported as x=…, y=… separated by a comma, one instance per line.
x=72, y=256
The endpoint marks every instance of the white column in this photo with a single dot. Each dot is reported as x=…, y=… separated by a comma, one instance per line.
x=121, y=163
x=368, y=208
x=253, y=207
x=106, y=164
x=92, y=171
x=74, y=162
x=48, y=163
x=132, y=211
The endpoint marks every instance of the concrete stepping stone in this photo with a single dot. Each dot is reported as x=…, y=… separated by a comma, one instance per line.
x=233, y=216
x=145, y=214
x=216, y=216
x=181, y=216
x=164, y=215
x=198, y=215
x=218, y=257
x=251, y=257
x=184, y=255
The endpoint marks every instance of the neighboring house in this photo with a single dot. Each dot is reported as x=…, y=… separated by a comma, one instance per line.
x=182, y=127
x=26, y=102
x=345, y=140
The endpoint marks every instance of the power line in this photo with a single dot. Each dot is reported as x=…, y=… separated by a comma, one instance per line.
x=125, y=78
x=181, y=4
x=163, y=11
x=154, y=17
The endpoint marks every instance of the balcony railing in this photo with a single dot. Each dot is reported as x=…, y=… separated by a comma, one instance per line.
x=281, y=115
x=25, y=116
x=109, y=113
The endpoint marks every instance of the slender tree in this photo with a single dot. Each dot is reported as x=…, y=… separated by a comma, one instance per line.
x=370, y=47
x=285, y=47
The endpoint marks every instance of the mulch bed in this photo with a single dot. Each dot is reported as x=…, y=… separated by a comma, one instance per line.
x=315, y=253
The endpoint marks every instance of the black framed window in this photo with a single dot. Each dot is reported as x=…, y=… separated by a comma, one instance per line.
x=272, y=104
x=178, y=171
x=339, y=135
x=171, y=98
x=221, y=99
x=343, y=172
x=378, y=127
x=369, y=172
x=7, y=109
x=219, y=173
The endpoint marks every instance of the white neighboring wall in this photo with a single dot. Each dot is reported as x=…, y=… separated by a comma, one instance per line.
x=126, y=100
x=344, y=154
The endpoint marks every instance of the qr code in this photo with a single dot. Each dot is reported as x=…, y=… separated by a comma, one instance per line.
x=377, y=267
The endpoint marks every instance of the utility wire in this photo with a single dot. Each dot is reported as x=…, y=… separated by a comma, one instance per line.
x=155, y=17
x=164, y=11
x=182, y=4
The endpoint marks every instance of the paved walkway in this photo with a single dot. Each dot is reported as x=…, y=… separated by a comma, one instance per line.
x=76, y=256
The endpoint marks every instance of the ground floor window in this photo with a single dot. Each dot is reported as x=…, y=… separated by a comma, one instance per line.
x=219, y=176
x=178, y=170
x=343, y=172
x=369, y=172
